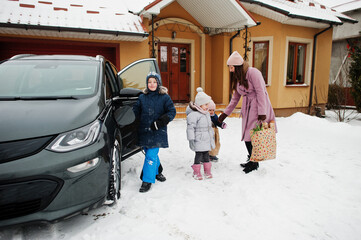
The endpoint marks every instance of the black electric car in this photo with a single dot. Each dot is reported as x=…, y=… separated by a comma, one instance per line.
x=66, y=123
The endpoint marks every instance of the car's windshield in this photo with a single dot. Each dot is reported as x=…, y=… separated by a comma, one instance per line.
x=47, y=78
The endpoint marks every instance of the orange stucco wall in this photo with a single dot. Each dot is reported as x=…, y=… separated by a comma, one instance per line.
x=220, y=75
x=132, y=51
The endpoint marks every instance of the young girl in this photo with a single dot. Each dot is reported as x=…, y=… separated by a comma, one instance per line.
x=214, y=152
x=155, y=110
x=200, y=133
x=256, y=105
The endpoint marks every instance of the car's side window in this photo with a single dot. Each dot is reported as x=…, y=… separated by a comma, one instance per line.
x=115, y=73
x=108, y=90
x=111, y=86
x=135, y=74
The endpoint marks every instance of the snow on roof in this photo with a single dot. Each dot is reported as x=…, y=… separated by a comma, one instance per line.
x=137, y=6
x=305, y=10
x=93, y=17
x=113, y=20
x=215, y=15
x=348, y=6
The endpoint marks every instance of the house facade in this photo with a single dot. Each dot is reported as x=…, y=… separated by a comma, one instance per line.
x=289, y=41
x=344, y=38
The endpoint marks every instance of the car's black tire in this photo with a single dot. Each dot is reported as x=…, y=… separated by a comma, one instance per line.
x=114, y=174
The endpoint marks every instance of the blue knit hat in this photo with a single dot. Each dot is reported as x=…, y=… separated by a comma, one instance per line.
x=157, y=78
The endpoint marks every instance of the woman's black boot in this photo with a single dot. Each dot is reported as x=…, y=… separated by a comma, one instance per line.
x=244, y=164
x=250, y=166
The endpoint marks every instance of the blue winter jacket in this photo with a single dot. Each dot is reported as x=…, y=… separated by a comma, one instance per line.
x=150, y=107
x=215, y=122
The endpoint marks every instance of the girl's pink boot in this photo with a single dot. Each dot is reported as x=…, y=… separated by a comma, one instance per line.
x=197, y=172
x=207, y=169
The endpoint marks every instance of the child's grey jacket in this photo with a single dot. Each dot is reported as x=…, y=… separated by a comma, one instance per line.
x=199, y=130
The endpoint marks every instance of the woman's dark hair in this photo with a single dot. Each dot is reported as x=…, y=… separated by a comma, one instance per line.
x=239, y=76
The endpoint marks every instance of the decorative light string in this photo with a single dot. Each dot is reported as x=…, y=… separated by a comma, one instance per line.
x=174, y=25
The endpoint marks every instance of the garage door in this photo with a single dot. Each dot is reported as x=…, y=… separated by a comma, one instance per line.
x=10, y=47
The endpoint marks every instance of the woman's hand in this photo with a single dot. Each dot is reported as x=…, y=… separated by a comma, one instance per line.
x=261, y=117
x=222, y=117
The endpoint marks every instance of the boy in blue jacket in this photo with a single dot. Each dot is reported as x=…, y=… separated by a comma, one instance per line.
x=155, y=110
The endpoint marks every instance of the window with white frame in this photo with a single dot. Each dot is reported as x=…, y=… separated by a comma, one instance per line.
x=260, y=57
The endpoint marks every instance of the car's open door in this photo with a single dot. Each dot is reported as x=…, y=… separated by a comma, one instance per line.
x=132, y=80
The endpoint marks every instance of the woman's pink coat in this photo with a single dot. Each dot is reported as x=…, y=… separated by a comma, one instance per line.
x=255, y=102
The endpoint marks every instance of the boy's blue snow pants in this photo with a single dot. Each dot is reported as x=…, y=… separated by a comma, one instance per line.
x=151, y=164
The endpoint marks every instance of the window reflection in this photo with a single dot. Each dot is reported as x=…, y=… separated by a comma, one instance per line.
x=296, y=63
x=183, y=60
x=135, y=76
x=174, y=55
x=163, y=59
x=260, y=60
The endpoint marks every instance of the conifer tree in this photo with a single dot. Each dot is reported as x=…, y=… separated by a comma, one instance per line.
x=355, y=75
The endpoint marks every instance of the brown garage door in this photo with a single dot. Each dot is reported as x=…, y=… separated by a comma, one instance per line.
x=13, y=46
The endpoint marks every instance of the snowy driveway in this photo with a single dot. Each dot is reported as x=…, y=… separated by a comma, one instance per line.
x=311, y=191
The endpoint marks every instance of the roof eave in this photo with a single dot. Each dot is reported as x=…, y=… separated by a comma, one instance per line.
x=353, y=21
x=288, y=14
x=79, y=30
x=314, y=19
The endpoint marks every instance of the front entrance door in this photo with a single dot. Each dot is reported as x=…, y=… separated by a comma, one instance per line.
x=173, y=60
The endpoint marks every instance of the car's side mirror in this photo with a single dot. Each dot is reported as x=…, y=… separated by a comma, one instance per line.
x=129, y=93
x=124, y=116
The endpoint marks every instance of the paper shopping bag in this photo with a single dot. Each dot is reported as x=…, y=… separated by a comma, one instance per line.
x=264, y=143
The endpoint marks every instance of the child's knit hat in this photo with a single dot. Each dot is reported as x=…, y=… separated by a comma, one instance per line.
x=235, y=59
x=201, y=97
x=157, y=78
x=211, y=105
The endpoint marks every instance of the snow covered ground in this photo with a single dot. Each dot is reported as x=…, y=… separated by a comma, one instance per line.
x=311, y=191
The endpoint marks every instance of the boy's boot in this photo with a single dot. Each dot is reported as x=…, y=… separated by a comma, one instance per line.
x=207, y=169
x=250, y=166
x=160, y=177
x=145, y=187
x=197, y=172
x=244, y=164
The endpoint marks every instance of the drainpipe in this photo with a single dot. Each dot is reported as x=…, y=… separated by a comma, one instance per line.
x=230, y=52
x=153, y=49
x=231, y=41
x=245, y=44
x=313, y=66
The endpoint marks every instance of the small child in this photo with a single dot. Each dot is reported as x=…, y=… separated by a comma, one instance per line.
x=214, y=152
x=200, y=133
x=155, y=109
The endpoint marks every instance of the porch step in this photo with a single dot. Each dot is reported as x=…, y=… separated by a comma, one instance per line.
x=181, y=110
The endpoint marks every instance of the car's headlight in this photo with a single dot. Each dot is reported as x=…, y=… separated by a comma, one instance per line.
x=75, y=139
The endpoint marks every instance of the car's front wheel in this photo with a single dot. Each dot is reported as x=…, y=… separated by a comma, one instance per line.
x=114, y=175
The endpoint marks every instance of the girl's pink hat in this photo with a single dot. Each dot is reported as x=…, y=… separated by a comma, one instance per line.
x=235, y=59
x=211, y=105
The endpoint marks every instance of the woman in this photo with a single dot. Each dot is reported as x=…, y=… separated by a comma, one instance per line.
x=256, y=106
